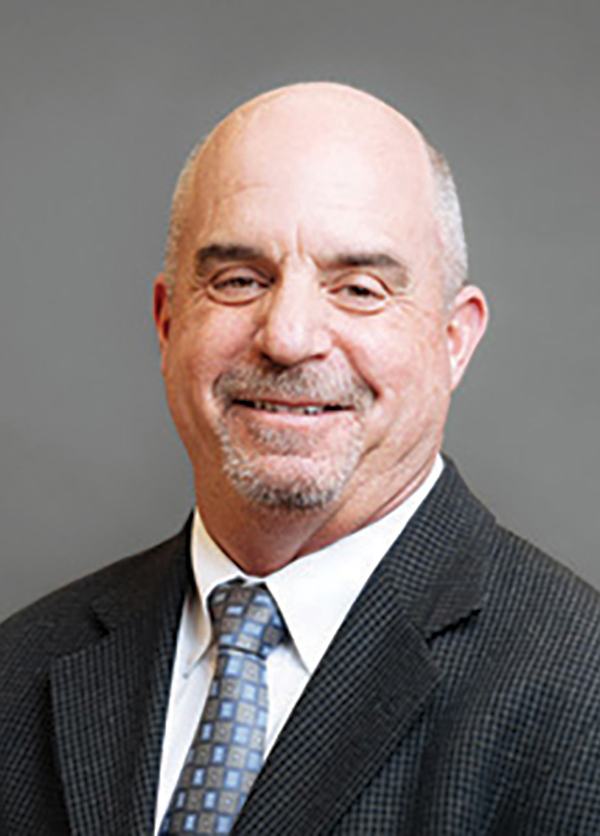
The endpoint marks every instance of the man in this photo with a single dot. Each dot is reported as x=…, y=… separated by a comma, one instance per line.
x=431, y=673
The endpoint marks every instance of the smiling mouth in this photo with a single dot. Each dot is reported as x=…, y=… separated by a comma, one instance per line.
x=288, y=408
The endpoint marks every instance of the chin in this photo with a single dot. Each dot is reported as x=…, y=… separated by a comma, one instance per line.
x=304, y=486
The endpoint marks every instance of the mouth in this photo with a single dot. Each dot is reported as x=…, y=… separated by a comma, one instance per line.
x=288, y=408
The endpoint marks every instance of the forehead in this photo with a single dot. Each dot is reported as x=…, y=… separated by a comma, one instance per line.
x=315, y=162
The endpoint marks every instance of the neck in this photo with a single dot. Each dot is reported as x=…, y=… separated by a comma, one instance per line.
x=262, y=540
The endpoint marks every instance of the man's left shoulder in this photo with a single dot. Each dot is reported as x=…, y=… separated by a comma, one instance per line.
x=540, y=627
x=538, y=584
x=527, y=609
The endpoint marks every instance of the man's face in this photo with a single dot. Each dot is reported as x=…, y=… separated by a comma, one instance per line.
x=307, y=347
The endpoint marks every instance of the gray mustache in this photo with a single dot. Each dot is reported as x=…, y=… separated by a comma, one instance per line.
x=331, y=386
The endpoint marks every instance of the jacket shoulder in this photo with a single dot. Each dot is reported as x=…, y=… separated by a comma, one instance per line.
x=537, y=635
x=66, y=620
x=539, y=584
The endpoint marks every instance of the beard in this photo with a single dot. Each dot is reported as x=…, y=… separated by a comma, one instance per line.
x=283, y=469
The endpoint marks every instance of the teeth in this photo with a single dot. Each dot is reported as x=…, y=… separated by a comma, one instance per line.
x=300, y=410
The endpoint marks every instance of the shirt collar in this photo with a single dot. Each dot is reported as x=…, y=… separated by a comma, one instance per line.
x=313, y=593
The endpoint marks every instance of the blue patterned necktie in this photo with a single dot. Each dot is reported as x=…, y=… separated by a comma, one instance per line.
x=228, y=749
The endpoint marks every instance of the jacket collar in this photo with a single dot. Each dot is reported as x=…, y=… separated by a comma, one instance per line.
x=110, y=698
x=378, y=675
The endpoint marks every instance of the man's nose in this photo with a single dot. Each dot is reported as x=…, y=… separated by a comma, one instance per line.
x=294, y=323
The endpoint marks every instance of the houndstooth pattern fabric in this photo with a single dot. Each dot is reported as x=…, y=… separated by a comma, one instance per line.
x=461, y=696
x=228, y=749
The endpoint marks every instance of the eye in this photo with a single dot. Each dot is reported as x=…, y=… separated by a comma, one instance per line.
x=359, y=292
x=237, y=287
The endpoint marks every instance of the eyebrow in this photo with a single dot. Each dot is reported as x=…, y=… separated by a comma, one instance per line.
x=219, y=253
x=380, y=260
x=368, y=259
x=225, y=252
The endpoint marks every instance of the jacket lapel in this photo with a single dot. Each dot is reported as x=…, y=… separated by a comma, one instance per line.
x=109, y=699
x=378, y=675
x=376, y=679
x=371, y=684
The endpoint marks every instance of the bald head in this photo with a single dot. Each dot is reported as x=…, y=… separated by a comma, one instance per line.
x=307, y=133
x=311, y=282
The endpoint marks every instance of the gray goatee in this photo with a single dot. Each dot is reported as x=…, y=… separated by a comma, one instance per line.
x=315, y=477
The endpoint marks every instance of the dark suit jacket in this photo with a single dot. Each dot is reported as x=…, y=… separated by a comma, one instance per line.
x=461, y=696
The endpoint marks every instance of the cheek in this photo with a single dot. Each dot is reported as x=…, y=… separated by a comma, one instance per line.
x=201, y=348
x=409, y=371
x=190, y=372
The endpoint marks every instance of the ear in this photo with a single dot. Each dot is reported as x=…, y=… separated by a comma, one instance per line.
x=162, y=312
x=466, y=325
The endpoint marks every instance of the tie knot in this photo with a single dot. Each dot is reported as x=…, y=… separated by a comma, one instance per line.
x=246, y=618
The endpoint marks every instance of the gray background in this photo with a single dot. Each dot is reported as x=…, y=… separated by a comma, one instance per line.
x=99, y=105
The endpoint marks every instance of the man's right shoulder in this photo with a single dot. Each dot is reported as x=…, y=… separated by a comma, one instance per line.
x=67, y=619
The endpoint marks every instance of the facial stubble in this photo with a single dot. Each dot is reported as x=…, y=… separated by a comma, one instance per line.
x=283, y=469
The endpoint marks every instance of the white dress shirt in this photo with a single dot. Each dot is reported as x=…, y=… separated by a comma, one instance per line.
x=314, y=594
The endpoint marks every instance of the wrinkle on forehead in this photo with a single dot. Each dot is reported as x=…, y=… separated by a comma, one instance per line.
x=314, y=148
